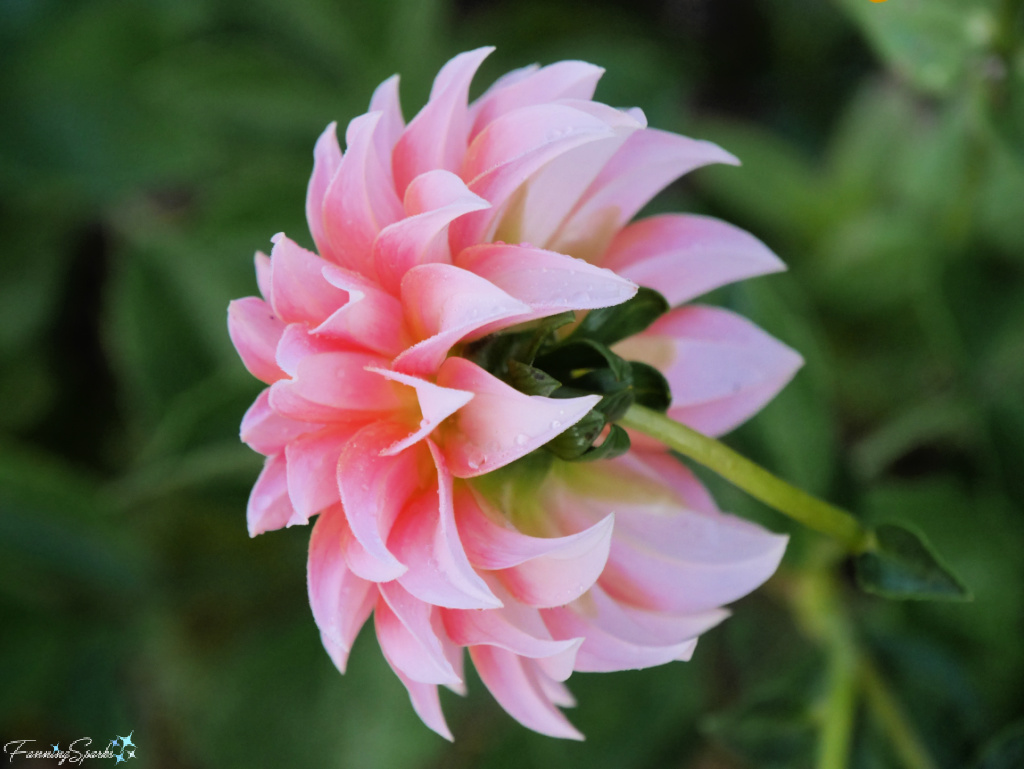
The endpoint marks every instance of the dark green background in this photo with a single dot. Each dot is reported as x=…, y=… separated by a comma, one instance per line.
x=149, y=147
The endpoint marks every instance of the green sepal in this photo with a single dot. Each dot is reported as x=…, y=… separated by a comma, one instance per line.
x=573, y=359
x=530, y=379
x=650, y=388
x=572, y=443
x=609, y=325
x=899, y=564
x=615, y=444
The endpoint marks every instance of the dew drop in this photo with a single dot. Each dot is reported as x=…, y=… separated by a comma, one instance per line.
x=521, y=439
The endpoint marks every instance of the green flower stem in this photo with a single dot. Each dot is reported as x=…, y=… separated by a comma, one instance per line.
x=891, y=718
x=752, y=478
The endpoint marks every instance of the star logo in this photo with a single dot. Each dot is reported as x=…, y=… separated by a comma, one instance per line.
x=118, y=757
x=115, y=743
x=127, y=741
x=56, y=748
x=131, y=754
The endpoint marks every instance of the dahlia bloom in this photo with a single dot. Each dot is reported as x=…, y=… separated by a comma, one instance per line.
x=442, y=511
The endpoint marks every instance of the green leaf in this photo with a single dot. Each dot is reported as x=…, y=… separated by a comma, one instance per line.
x=650, y=388
x=901, y=565
x=609, y=325
x=774, y=733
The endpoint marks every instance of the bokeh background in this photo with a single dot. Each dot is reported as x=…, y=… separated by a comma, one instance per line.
x=149, y=147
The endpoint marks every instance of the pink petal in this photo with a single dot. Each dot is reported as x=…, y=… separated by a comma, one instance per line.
x=646, y=163
x=604, y=652
x=326, y=160
x=407, y=637
x=266, y=431
x=426, y=539
x=509, y=151
x=443, y=305
x=546, y=281
x=432, y=201
x=436, y=404
x=684, y=256
x=436, y=137
x=541, y=206
x=371, y=319
x=492, y=628
x=515, y=684
x=296, y=344
x=361, y=199
x=691, y=562
x=341, y=601
x=333, y=387
x=426, y=702
x=500, y=424
x=385, y=101
x=269, y=507
x=664, y=556
x=255, y=331
x=298, y=288
x=263, y=271
x=539, y=571
x=724, y=369
x=375, y=489
x=562, y=80
x=312, y=470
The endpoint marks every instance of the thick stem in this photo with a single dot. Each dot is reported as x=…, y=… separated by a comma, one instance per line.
x=752, y=478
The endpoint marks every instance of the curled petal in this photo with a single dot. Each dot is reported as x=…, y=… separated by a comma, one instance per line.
x=436, y=405
x=561, y=80
x=340, y=600
x=500, y=424
x=684, y=256
x=296, y=344
x=510, y=150
x=516, y=684
x=333, y=387
x=426, y=540
x=269, y=507
x=371, y=318
x=432, y=201
x=425, y=701
x=263, y=271
x=436, y=137
x=326, y=160
x=361, y=199
x=546, y=281
x=385, y=101
x=312, y=469
x=648, y=161
x=299, y=291
x=266, y=431
x=445, y=304
x=620, y=637
x=492, y=628
x=375, y=489
x=539, y=571
x=255, y=331
x=407, y=636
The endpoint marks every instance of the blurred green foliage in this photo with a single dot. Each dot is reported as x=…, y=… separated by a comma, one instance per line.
x=149, y=147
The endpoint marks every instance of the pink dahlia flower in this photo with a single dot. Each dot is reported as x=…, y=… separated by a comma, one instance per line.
x=444, y=510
